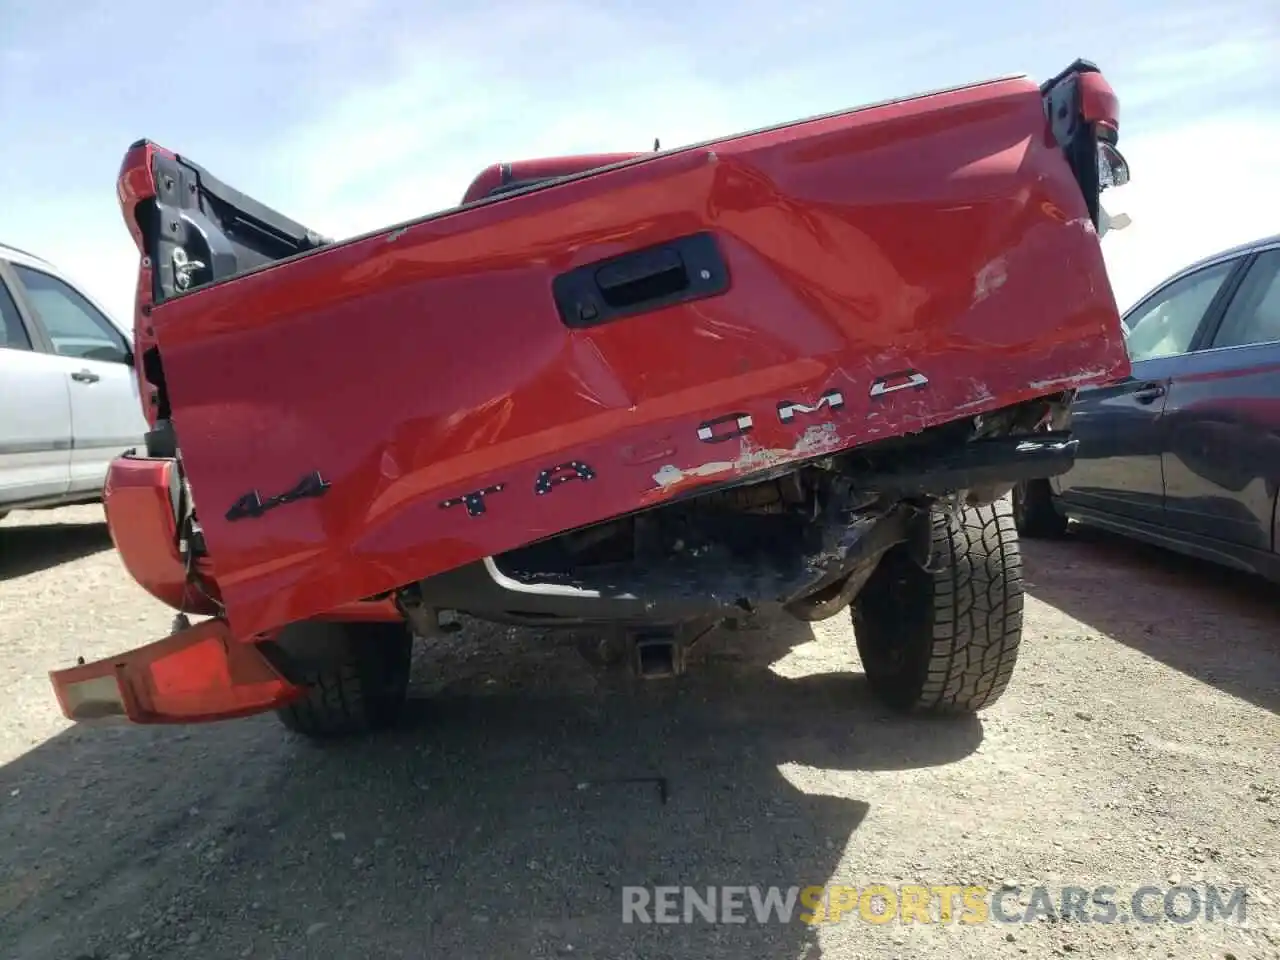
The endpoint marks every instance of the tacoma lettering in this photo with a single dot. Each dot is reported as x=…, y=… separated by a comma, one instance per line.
x=900, y=380
x=547, y=481
x=562, y=473
x=730, y=426
x=734, y=425
x=787, y=409
x=473, y=501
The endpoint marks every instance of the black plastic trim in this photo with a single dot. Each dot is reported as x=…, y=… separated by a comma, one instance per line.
x=302, y=237
x=1079, y=66
x=479, y=591
x=161, y=441
x=680, y=271
x=222, y=228
x=675, y=591
x=1078, y=139
x=989, y=462
x=510, y=186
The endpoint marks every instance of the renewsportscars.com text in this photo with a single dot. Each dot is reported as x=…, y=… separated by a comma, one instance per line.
x=920, y=903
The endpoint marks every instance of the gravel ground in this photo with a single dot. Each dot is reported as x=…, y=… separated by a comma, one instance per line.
x=1137, y=745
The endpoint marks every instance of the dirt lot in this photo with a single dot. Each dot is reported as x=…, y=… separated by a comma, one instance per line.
x=1137, y=745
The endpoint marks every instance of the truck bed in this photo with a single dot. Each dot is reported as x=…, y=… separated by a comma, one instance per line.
x=359, y=415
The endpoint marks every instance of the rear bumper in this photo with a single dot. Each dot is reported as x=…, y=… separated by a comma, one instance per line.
x=141, y=499
x=687, y=589
x=484, y=590
x=202, y=673
x=197, y=675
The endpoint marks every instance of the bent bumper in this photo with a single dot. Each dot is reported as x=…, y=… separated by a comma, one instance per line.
x=686, y=588
x=202, y=673
x=197, y=675
x=141, y=501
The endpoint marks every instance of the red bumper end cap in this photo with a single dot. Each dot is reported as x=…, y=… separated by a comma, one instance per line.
x=197, y=675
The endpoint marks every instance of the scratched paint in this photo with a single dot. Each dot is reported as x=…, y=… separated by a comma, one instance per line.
x=1062, y=383
x=815, y=441
x=990, y=279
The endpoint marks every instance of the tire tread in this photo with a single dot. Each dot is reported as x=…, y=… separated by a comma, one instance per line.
x=359, y=692
x=963, y=644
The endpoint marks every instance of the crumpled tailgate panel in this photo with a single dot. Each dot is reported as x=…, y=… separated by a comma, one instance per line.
x=419, y=367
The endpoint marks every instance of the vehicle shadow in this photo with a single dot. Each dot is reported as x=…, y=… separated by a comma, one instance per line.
x=528, y=789
x=1217, y=625
x=30, y=548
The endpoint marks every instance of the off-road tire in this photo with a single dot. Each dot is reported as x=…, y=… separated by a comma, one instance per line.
x=944, y=641
x=1034, y=512
x=356, y=676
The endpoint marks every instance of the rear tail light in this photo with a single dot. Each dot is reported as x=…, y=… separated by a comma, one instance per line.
x=198, y=674
x=1083, y=116
x=1113, y=169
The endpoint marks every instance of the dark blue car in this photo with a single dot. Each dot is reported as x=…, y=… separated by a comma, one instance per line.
x=1185, y=453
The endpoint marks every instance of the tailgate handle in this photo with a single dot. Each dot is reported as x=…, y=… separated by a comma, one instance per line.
x=679, y=271
x=649, y=275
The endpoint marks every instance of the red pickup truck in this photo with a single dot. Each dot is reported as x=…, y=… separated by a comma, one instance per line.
x=795, y=370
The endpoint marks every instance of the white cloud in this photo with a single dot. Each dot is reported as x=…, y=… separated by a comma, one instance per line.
x=563, y=78
x=440, y=94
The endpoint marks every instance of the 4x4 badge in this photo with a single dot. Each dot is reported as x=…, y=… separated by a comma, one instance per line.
x=252, y=504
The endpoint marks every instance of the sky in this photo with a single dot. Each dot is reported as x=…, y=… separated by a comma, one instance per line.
x=349, y=115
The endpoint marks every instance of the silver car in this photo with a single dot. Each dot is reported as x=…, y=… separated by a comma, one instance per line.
x=68, y=394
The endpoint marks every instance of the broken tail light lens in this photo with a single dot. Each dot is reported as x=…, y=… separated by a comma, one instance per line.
x=1113, y=169
x=196, y=675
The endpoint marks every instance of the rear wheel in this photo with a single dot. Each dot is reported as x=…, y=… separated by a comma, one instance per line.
x=1034, y=511
x=356, y=676
x=945, y=641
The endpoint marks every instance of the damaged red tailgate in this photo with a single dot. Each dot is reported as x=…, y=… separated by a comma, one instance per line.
x=383, y=409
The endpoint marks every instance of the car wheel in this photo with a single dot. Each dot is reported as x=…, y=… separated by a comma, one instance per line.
x=1035, y=513
x=356, y=676
x=945, y=640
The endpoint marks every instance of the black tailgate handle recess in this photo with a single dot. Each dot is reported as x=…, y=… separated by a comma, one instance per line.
x=642, y=276
x=679, y=271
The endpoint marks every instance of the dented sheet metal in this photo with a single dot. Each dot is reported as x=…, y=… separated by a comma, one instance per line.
x=409, y=407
